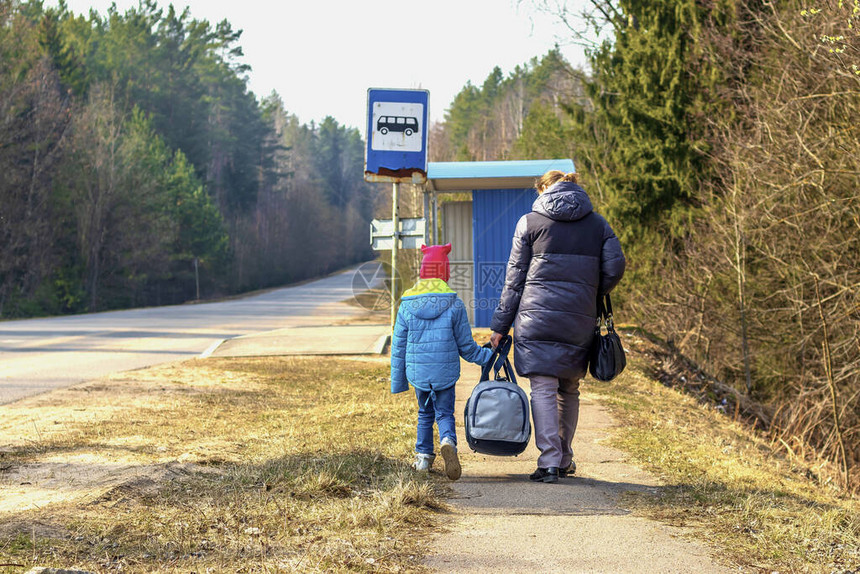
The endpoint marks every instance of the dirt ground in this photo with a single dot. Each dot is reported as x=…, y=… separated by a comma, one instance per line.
x=82, y=474
x=86, y=474
x=579, y=524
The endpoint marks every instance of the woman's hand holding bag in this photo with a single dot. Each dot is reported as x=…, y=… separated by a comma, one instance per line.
x=608, y=358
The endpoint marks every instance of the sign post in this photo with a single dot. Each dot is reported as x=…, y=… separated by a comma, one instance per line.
x=395, y=216
x=389, y=234
x=397, y=126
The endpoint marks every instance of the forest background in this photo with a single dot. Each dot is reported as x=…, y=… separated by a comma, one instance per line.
x=133, y=154
x=719, y=137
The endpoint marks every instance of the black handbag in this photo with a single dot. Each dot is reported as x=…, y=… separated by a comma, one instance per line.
x=607, y=358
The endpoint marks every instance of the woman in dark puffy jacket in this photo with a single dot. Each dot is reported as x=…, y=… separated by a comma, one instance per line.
x=564, y=257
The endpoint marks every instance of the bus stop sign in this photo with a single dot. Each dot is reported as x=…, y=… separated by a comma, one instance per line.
x=397, y=129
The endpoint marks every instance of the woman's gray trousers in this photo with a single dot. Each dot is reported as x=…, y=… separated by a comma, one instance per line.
x=555, y=410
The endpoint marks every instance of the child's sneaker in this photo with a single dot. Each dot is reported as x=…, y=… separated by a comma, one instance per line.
x=452, y=462
x=423, y=462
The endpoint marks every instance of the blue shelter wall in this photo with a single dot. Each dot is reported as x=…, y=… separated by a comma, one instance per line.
x=494, y=216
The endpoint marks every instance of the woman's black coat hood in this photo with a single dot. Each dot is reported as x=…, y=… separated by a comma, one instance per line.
x=563, y=201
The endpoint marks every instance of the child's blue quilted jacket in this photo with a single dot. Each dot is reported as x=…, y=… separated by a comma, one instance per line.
x=430, y=335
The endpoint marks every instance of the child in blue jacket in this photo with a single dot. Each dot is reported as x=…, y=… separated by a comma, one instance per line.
x=430, y=335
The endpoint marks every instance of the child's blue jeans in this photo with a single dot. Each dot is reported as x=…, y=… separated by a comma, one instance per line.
x=442, y=411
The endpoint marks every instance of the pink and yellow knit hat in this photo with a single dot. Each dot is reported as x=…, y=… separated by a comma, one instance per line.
x=435, y=264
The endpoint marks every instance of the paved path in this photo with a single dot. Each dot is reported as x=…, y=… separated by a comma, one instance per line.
x=505, y=523
x=328, y=340
x=38, y=355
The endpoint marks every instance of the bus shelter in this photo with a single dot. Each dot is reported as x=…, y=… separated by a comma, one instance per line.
x=480, y=223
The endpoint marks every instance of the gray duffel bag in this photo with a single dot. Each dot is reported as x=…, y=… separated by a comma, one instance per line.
x=497, y=412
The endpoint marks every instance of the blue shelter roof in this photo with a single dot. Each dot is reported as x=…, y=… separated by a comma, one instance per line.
x=470, y=175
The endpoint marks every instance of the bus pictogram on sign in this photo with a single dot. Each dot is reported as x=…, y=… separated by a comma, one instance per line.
x=396, y=125
x=387, y=124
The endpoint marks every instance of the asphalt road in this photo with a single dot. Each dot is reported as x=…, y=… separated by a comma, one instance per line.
x=38, y=355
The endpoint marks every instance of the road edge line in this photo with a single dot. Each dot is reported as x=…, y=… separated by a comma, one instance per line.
x=212, y=348
x=379, y=347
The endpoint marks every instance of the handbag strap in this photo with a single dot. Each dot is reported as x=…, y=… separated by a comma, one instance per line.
x=604, y=312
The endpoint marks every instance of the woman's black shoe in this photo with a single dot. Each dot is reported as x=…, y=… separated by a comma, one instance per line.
x=568, y=470
x=545, y=474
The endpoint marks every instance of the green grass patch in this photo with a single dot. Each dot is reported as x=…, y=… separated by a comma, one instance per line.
x=264, y=465
x=764, y=511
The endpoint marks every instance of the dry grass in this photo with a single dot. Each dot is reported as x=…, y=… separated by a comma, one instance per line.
x=300, y=464
x=261, y=465
x=768, y=513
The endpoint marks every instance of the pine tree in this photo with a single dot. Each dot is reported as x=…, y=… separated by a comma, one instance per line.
x=643, y=96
